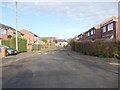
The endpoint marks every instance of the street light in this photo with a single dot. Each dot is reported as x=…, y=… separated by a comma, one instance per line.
x=16, y=25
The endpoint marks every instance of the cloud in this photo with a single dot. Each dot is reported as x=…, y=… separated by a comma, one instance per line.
x=74, y=11
x=62, y=0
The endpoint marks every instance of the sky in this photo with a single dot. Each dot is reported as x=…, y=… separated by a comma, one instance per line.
x=58, y=19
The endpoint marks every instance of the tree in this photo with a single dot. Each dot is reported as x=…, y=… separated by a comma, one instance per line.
x=44, y=40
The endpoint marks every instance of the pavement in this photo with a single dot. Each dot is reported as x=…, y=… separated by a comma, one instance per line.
x=59, y=68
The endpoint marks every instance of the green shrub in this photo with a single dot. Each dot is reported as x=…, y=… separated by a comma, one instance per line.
x=37, y=47
x=22, y=44
x=98, y=48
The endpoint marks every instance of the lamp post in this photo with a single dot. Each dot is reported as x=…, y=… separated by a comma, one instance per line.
x=16, y=25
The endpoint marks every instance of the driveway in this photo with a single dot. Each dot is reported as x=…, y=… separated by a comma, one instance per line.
x=59, y=68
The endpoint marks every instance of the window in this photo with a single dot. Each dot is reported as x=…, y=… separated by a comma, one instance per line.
x=92, y=32
x=88, y=33
x=110, y=27
x=104, y=29
x=35, y=38
x=80, y=36
x=2, y=31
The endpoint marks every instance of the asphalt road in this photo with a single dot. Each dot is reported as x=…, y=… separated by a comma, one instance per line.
x=58, y=69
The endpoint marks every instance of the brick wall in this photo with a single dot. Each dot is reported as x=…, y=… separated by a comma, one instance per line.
x=118, y=29
x=112, y=32
x=29, y=37
x=3, y=36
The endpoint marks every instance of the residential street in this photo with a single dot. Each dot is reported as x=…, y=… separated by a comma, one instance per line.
x=59, y=68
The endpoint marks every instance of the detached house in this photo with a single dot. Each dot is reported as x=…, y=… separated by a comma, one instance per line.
x=31, y=38
x=7, y=32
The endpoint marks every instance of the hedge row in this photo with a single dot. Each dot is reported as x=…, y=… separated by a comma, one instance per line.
x=22, y=44
x=98, y=48
x=36, y=47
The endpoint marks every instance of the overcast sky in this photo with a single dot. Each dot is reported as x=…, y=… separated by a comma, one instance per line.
x=62, y=19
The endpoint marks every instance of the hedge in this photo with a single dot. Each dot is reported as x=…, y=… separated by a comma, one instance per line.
x=36, y=47
x=22, y=44
x=100, y=48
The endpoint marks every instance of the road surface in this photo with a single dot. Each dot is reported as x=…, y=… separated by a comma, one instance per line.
x=57, y=68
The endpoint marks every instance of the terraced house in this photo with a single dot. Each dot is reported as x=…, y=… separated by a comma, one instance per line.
x=107, y=30
x=91, y=34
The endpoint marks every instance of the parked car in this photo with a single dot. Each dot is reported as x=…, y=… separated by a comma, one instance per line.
x=9, y=51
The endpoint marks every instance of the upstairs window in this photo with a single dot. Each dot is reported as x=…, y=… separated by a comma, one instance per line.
x=88, y=34
x=92, y=32
x=35, y=37
x=2, y=31
x=110, y=27
x=104, y=29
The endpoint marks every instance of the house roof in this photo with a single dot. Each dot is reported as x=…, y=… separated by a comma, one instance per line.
x=31, y=32
x=8, y=27
x=89, y=30
x=80, y=35
x=97, y=26
x=113, y=18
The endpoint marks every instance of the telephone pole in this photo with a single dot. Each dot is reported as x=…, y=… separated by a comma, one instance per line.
x=16, y=25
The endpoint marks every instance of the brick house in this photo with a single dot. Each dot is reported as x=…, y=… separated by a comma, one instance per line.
x=31, y=38
x=82, y=37
x=109, y=29
x=7, y=32
x=118, y=29
x=90, y=34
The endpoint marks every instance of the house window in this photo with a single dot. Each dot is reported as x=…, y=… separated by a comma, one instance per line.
x=35, y=38
x=92, y=32
x=104, y=29
x=88, y=34
x=2, y=31
x=110, y=27
x=80, y=36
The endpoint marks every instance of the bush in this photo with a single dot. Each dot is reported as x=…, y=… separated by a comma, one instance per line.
x=36, y=47
x=98, y=48
x=22, y=44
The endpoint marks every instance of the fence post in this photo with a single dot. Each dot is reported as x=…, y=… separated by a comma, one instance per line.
x=3, y=52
